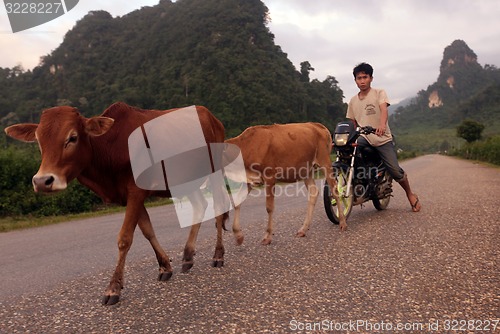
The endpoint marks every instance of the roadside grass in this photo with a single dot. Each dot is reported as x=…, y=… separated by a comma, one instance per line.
x=16, y=223
x=429, y=140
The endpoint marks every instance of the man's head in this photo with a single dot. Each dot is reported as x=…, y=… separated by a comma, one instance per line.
x=363, y=75
x=363, y=67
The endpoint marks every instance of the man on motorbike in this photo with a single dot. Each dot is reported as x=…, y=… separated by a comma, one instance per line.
x=369, y=107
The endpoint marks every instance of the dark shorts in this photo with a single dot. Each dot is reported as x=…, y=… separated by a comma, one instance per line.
x=389, y=156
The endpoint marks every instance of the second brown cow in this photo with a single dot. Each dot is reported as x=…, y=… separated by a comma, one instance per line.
x=285, y=153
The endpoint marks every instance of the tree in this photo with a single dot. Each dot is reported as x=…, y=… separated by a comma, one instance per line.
x=225, y=59
x=444, y=147
x=470, y=130
x=305, y=68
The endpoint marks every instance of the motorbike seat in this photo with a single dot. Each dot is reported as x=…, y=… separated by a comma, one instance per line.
x=369, y=152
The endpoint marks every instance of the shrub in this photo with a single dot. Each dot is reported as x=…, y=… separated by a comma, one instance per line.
x=487, y=150
x=17, y=167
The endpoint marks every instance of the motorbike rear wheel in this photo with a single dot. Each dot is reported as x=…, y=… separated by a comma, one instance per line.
x=383, y=203
x=331, y=207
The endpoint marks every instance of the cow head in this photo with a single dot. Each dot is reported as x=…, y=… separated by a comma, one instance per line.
x=63, y=136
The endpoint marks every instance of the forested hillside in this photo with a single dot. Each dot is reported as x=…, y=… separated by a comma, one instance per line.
x=217, y=53
x=463, y=90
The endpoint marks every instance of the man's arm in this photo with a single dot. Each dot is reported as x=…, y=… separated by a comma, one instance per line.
x=355, y=122
x=384, y=115
x=350, y=114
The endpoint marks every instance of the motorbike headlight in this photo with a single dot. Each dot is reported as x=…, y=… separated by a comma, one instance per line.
x=341, y=139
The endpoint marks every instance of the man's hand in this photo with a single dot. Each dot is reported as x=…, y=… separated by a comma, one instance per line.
x=380, y=130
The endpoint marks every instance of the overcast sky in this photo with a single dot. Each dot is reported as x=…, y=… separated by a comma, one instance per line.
x=403, y=40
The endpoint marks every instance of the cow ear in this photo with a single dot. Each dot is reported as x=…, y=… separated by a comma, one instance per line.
x=23, y=132
x=97, y=126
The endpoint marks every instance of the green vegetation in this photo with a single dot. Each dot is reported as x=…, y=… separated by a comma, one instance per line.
x=216, y=53
x=464, y=89
x=470, y=130
x=487, y=150
x=220, y=54
x=17, y=167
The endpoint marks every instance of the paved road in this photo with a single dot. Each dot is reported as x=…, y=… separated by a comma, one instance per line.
x=426, y=270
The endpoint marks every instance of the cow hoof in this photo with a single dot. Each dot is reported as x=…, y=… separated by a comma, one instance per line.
x=110, y=300
x=164, y=276
x=186, y=266
x=300, y=234
x=218, y=263
x=239, y=240
x=265, y=242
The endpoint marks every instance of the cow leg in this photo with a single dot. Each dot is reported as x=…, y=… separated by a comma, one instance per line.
x=312, y=196
x=162, y=257
x=199, y=204
x=125, y=238
x=189, y=250
x=236, y=226
x=222, y=205
x=270, y=209
x=236, y=223
x=218, y=260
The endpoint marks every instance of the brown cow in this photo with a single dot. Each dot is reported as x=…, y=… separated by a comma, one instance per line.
x=95, y=151
x=285, y=153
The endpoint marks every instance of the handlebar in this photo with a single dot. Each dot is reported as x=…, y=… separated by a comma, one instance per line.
x=367, y=130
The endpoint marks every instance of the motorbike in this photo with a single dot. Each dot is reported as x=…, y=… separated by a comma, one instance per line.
x=359, y=171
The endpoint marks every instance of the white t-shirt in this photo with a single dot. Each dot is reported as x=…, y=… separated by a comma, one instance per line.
x=366, y=111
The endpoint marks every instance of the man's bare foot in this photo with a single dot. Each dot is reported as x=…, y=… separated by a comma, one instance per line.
x=415, y=203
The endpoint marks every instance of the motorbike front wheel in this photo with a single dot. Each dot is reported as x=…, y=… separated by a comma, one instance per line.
x=331, y=207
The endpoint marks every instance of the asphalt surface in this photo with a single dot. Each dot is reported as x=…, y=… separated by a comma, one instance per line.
x=436, y=271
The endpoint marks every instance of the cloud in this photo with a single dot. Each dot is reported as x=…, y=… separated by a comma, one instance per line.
x=404, y=41
x=25, y=48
